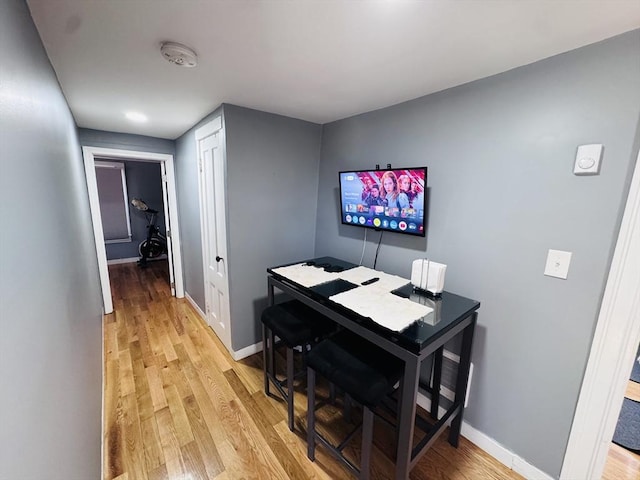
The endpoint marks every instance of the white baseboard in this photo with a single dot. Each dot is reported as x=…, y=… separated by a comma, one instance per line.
x=502, y=454
x=118, y=261
x=195, y=306
x=247, y=351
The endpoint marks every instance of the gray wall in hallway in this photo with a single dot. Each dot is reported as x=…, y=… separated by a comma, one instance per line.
x=50, y=346
x=272, y=185
x=272, y=171
x=125, y=141
x=500, y=153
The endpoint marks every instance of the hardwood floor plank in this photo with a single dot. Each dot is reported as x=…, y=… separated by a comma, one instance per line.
x=165, y=338
x=208, y=450
x=633, y=391
x=250, y=372
x=179, y=416
x=143, y=337
x=265, y=424
x=172, y=375
x=298, y=448
x=193, y=464
x=209, y=413
x=143, y=394
x=111, y=338
x=159, y=473
x=127, y=383
x=113, y=436
x=153, y=454
x=622, y=464
x=170, y=444
x=158, y=397
x=134, y=458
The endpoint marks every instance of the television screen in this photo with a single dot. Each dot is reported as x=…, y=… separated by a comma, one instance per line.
x=393, y=199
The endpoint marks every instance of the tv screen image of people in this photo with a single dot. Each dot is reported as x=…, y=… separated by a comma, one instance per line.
x=392, y=199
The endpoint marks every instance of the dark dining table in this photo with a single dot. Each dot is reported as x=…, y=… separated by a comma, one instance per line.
x=452, y=316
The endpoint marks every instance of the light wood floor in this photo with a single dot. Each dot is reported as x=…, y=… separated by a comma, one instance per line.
x=178, y=407
x=623, y=464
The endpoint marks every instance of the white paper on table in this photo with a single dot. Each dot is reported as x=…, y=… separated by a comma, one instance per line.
x=306, y=275
x=359, y=274
x=386, y=281
x=386, y=309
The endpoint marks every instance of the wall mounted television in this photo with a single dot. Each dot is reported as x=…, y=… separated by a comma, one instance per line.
x=392, y=199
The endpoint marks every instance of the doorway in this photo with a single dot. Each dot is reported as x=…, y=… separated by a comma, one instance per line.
x=93, y=154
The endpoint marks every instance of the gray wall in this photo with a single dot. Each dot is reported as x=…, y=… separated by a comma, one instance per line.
x=272, y=182
x=125, y=141
x=500, y=153
x=50, y=345
x=272, y=172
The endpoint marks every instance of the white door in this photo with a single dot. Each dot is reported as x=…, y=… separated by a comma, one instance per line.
x=214, y=234
x=167, y=223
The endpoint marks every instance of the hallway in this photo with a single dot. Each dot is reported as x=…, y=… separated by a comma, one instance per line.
x=177, y=406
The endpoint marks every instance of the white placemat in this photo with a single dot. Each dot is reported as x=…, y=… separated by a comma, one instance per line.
x=306, y=275
x=385, y=308
x=358, y=275
x=385, y=283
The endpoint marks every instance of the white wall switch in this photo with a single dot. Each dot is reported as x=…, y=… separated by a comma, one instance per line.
x=588, y=160
x=557, y=264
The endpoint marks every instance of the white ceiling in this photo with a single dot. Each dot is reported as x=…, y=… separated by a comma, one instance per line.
x=317, y=60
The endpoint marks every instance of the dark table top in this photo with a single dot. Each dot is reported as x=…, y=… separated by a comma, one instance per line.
x=448, y=310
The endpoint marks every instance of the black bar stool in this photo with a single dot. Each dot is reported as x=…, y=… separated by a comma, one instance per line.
x=296, y=325
x=362, y=371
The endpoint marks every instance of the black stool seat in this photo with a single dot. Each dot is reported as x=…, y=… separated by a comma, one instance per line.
x=295, y=323
x=367, y=373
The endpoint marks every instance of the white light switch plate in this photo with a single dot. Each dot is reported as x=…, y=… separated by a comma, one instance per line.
x=557, y=264
x=588, y=160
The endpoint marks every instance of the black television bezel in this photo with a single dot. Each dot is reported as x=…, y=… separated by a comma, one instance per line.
x=382, y=170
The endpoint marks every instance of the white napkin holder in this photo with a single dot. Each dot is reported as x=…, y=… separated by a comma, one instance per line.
x=429, y=276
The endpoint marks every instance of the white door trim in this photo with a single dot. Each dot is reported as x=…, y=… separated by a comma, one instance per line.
x=90, y=154
x=612, y=354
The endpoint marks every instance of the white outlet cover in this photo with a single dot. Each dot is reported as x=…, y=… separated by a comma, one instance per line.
x=557, y=264
x=588, y=160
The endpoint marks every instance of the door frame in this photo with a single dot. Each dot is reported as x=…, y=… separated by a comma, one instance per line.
x=613, y=350
x=90, y=155
x=212, y=127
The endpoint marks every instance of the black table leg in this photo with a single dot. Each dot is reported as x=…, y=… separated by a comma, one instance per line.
x=463, y=378
x=437, y=379
x=409, y=394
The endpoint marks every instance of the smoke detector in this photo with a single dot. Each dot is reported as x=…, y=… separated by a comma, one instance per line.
x=178, y=54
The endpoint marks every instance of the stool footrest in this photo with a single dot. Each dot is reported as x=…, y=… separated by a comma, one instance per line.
x=336, y=453
x=348, y=438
